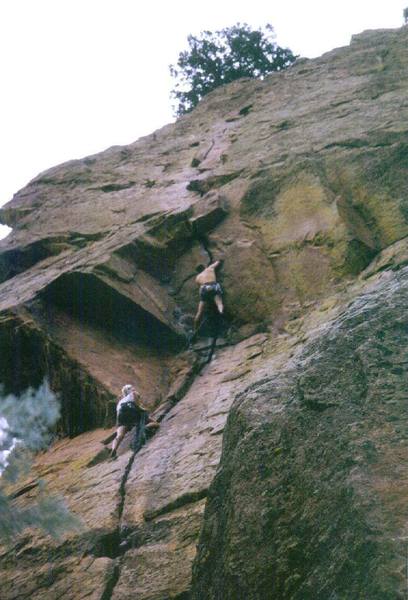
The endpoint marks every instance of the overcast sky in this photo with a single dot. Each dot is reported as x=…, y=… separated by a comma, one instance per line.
x=78, y=76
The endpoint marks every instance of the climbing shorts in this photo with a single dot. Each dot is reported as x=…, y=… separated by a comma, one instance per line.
x=129, y=414
x=209, y=290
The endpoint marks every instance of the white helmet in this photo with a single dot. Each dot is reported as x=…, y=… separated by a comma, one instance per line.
x=127, y=389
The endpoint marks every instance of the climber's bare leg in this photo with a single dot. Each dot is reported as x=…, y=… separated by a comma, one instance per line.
x=199, y=315
x=120, y=434
x=219, y=303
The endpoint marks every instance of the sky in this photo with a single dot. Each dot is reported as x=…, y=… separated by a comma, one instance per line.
x=79, y=76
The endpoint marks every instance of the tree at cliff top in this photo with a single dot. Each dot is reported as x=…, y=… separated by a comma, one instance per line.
x=221, y=57
x=405, y=15
x=25, y=423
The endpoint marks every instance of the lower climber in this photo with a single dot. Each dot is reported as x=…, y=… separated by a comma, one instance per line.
x=129, y=413
x=210, y=291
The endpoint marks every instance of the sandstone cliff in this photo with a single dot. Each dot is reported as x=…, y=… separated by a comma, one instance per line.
x=284, y=460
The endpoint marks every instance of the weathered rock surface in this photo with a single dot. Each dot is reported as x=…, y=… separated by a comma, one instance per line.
x=300, y=183
x=318, y=506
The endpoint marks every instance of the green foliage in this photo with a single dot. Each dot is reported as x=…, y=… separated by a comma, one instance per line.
x=25, y=424
x=221, y=57
x=405, y=15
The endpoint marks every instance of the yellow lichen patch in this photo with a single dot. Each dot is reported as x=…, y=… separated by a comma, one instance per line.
x=392, y=257
x=350, y=257
x=303, y=210
x=371, y=211
x=389, y=222
x=251, y=288
x=305, y=272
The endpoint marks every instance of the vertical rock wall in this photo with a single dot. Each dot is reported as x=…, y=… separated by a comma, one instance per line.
x=310, y=499
x=299, y=182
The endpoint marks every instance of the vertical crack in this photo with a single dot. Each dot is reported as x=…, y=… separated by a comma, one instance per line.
x=207, y=152
x=122, y=488
x=203, y=241
x=111, y=583
x=118, y=541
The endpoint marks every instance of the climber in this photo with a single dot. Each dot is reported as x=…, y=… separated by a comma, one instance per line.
x=129, y=412
x=210, y=291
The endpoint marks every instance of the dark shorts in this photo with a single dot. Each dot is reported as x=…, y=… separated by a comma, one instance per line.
x=129, y=415
x=208, y=291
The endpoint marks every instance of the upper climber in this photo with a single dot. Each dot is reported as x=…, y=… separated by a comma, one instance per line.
x=210, y=291
x=129, y=412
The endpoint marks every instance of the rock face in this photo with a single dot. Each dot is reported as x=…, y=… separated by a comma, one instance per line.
x=299, y=182
x=318, y=506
